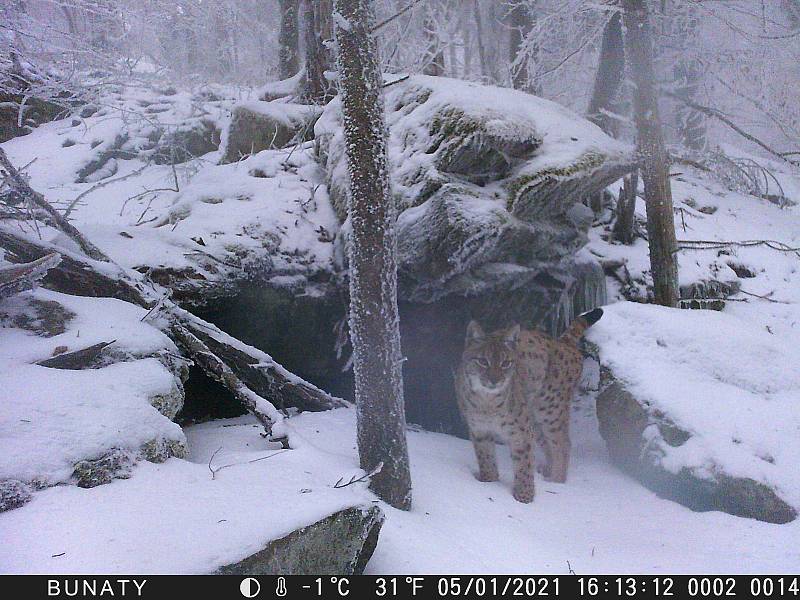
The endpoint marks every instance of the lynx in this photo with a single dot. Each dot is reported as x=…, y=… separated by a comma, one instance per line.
x=516, y=386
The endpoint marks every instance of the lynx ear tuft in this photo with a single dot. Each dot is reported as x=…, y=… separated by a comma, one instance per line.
x=475, y=331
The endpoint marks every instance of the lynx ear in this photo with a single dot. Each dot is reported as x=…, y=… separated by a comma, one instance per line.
x=475, y=331
x=512, y=335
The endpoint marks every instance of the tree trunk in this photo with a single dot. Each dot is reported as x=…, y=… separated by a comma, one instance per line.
x=318, y=57
x=626, y=210
x=374, y=327
x=654, y=160
x=288, y=39
x=520, y=25
x=434, y=55
x=479, y=39
x=610, y=70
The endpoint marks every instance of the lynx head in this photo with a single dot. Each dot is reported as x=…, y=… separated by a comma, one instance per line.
x=489, y=358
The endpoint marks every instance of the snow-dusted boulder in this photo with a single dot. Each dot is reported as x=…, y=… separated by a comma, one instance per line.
x=482, y=175
x=340, y=544
x=89, y=418
x=702, y=408
x=257, y=126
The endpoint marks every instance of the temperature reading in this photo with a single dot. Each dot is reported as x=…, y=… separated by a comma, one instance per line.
x=388, y=586
x=342, y=585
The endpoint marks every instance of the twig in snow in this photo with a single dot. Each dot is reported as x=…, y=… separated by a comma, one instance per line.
x=354, y=479
x=246, y=462
x=100, y=185
x=765, y=297
x=716, y=245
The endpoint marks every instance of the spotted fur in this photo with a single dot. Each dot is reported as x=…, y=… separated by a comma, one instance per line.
x=517, y=386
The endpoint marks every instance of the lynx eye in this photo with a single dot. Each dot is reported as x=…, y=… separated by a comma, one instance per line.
x=482, y=362
x=506, y=364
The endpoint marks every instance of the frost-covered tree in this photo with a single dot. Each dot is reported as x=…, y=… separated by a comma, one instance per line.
x=653, y=157
x=374, y=320
x=289, y=39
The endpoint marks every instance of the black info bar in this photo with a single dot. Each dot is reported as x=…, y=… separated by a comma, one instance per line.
x=232, y=587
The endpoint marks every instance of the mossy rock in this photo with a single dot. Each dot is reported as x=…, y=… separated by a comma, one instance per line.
x=340, y=544
x=257, y=126
x=13, y=494
x=185, y=144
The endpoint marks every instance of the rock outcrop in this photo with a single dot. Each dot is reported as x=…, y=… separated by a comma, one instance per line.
x=628, y=426
x=257, y=126
x=107, y=388
x=340, y=544
x=679, y=413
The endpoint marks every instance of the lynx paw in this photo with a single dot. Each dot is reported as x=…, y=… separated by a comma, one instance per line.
x=524, y=494
x=487, y=476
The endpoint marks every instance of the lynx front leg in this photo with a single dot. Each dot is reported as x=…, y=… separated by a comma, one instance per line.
x=485, y=453
x=561, y=447
x=543, y=468
x=522, y=458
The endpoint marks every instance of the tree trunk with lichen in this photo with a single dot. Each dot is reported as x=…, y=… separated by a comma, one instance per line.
x=317, y=32
x=653, y=157
x=288, y=39
x=372, y=249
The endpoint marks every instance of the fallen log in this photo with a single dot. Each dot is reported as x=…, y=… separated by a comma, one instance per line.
x=74, y=275
x=19, y=278
x=257, y=369
x=77, y=360
x=215, y=368
x=249, y=373
x=19, y=184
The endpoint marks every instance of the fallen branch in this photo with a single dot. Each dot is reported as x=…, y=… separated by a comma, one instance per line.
x=77, y=360
x=216, y=470
x=19, y=278
x=215, y=368
x=716, y=245
x=101, y=185
x=356, y=479
x=764, y=297
x=17, y=182
x=262, y=377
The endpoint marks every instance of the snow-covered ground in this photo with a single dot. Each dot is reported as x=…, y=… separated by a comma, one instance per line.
x=174, y=518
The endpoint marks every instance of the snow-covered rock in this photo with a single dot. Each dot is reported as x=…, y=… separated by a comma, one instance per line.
x=88, y=423
x=340, y=544
x=483, y=176
x=701, y=406
x=258, y=125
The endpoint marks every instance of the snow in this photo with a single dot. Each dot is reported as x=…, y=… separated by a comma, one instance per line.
x=728, y=382
x=140, y=525
x=601, y=521
x=282, y=112
x=241, y=212
x=52, y=418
